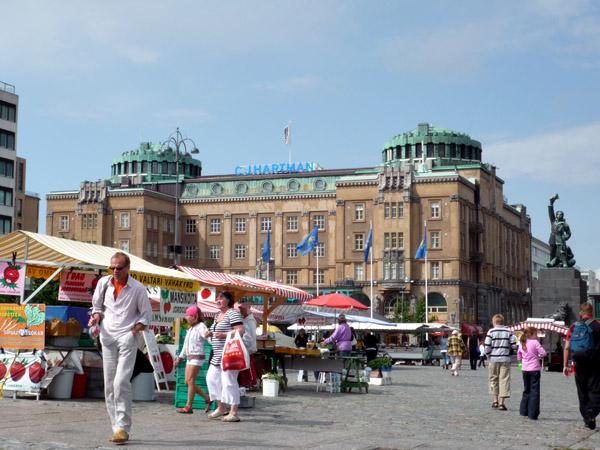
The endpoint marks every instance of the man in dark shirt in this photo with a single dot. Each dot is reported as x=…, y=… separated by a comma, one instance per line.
x=587, y=370
x=370, y=343
x=301, y=340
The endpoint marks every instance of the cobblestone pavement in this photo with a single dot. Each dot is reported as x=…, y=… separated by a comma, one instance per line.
x=424, y=408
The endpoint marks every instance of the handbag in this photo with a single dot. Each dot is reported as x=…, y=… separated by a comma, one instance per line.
x=235, y=354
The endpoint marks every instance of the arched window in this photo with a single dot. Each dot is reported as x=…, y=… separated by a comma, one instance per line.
x=436, y=303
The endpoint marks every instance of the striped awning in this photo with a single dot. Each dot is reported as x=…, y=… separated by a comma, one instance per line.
x=540, y=325
x=279, y=289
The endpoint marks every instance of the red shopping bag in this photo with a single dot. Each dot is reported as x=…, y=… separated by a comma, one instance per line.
x=235, y=355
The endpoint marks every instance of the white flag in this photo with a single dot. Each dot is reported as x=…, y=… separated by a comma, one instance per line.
x=287, y=135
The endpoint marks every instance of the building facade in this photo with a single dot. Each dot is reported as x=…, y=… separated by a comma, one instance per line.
x=540, y=256
x=9, y=105
x=479, y=247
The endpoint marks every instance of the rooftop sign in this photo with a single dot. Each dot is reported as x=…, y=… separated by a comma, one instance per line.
x=269, y=169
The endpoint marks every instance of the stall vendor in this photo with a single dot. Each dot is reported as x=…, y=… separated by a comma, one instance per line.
x=342, y=337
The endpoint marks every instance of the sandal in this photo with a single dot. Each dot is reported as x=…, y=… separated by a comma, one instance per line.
x=230, y=418
x=501, y=408
x=185, y=410
x=495, y=405
x=216, y=414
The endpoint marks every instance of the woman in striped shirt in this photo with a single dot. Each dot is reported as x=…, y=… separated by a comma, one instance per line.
x=222, y=385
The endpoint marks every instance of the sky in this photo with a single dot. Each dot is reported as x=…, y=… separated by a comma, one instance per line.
x=96, y=78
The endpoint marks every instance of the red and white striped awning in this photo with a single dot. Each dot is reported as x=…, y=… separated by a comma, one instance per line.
x=540, y=325
x=210, y=277
x=279, y=289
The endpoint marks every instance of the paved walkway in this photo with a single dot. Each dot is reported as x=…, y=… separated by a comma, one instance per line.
x=425, y=408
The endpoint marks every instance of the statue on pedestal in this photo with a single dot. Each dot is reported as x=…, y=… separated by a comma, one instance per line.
x=560, y=253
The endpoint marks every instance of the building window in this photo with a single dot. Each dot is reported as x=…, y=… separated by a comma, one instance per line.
x=435, y=239
x=6, y=197
x=291, y=277
x=63, y=223
x=240, y=224
x=7, y=140
x=124, y=220
x=5, y=224
x=265, y=224
x=292, y=223
x=292, y=250
x=124, y=245
x=434, y=208
x=462, y=241
x=393, y=270
x=8, y=112
x=400, y=210
x=319, y=250
x=89, y=221
x=155, y=222
x=393, y=210
x=359, y=212
x=386, y=210
x=393, y=241
x=240, y=251
x=215, y=226
x=319, y=222
x=190, y=226
x=7, y=168
x=359, y=271
x=359, y=241
x=214, y=252
x=435, y=270
x=168, y=225
x=189, y=252
x=148, y=222
x=318, y=276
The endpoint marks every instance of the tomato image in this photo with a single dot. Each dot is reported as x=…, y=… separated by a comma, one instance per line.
x=17, y=370
x=167, y=361
x=167, y=308
x=205, y=293
x=36, y=372
x=2, y=370
x=10, y=275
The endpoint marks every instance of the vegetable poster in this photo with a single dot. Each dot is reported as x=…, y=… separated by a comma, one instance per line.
x=77, y=286
x=12, y=278
x=22, y=372
x=22, y=326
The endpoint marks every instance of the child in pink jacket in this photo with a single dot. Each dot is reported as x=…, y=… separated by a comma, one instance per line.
x=529, y=353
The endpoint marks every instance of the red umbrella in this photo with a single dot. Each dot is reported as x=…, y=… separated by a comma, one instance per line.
x=336, y=301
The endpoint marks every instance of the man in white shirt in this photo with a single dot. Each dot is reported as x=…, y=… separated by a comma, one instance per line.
x=247, y=378
x=121, y=309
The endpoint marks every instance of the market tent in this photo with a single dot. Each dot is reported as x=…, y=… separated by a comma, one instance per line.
x=337, y=301
x=541, y=324
x=48, y=251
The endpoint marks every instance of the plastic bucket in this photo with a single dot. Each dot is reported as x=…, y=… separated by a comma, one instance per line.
x=61, y=385
x=270, y=388
x=79, y=385
x=142, y=387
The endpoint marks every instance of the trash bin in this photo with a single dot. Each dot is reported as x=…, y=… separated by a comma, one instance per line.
x=142, y=387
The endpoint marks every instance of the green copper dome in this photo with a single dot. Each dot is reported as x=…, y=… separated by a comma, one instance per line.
x=439, y=143
x=152, y=163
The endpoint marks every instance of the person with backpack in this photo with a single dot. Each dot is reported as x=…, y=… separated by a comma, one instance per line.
x=583, y=347
x=529, y=353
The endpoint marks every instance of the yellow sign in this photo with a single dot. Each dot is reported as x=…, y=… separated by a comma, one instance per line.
x=22, y=326
x=174, y=284
x=41, y=272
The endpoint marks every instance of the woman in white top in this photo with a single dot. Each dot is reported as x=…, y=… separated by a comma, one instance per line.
x=193, y=352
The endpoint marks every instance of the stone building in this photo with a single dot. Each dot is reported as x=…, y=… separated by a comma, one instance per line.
x=479, y=247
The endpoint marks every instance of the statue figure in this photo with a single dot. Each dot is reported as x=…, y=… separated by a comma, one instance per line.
x=561, y=313
x=560, y=253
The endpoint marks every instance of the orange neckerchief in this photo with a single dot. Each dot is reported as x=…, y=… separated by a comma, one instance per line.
x=118, y=286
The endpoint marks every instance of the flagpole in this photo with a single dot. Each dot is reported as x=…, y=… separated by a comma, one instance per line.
x=317, y=274
x=426, y=279
x=289, y=142
x=371, y=252
x=268, y=271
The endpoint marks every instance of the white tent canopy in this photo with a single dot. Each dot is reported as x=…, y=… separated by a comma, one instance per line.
x=42, y=250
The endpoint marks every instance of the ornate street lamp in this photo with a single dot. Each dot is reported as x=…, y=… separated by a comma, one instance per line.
x=179, y=144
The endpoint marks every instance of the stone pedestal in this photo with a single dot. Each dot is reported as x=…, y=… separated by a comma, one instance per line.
x=556, y=286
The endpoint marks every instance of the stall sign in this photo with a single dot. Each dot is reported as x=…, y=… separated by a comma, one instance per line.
x=174, y=303
x=12, y=278
x=22, y=372
x=40, y=272
x=166, y=282
x=77, y=286
x=207, y=294
x=22, y=326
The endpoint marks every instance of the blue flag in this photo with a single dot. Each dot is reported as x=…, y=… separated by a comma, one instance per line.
x=266, y=250
x=369, y=243
x=422, y=250
x=309, y=242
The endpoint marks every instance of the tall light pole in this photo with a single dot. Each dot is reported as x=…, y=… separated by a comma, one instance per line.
x=179, y=142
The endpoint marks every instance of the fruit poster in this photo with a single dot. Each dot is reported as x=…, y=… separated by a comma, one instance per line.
x=22, y=326
x=174, y=303
x=22, y=372
x=12, y=278
x=77, y=286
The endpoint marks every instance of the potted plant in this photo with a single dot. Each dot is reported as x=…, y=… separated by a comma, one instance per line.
x=272, y=384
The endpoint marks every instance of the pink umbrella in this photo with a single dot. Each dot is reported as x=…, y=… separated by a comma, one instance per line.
x=336, y=301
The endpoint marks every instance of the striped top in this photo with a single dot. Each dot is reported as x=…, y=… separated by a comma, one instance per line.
x=231, y=318
x=500, y=343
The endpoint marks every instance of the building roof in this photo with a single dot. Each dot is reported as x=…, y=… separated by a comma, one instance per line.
x=426, y=133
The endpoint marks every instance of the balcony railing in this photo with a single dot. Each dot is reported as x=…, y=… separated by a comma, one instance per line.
x=7, y=87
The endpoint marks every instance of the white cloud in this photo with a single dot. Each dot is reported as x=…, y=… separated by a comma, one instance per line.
x=567, y=156
x=290, y=85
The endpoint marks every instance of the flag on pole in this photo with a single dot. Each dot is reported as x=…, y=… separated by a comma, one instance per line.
x=266, y=250
x=309, y=242
x=287, y=134
x=369, y=243
x=422, y=250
